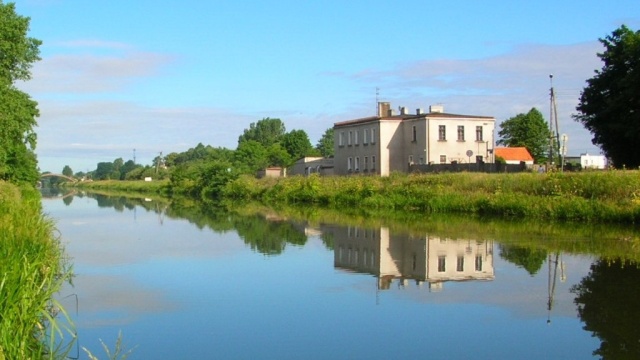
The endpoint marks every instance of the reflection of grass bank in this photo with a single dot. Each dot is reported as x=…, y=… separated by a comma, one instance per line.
x=612, y=196
x=608, y=196
x=31, y=272
x=128, y=186
x=610, y=242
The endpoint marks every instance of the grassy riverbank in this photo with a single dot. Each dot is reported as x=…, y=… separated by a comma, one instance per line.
x=612, y=196
x=607, y=196
x=31, y=272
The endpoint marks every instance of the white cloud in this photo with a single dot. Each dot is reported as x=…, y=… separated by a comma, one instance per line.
x=89, y=73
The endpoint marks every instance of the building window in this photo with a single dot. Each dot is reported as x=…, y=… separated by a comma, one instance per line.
x=373, y=162
x=373, y=136
x=460, y=133
x=460, y=264
x=443, y=159
x=350, y=137
x=341, y=139
x=365, y=137
x=357, y=163
x=442, y=133
x=442, y=263
x=414, y=135
x=421, y=161
x=356, y=137
x=366, y=162
x=410, y=159
x=349, y=164
x=479, y=263
x=479, y=133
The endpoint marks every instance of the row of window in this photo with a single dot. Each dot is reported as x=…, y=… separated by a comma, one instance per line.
x=352, y=257
x=355, y=165
x=442, y=133
x=352, y=137
x=358, y=232
x=442, y=263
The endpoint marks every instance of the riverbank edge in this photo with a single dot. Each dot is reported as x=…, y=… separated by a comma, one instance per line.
x=588, y=196
x=34, y=268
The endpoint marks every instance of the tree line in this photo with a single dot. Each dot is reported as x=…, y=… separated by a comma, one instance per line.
x=263, y=144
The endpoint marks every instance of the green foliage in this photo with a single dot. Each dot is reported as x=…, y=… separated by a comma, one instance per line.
x=66, y=171
x=607, y=304
x=531, y=259
x=587, y=196
x=526, y=130
x=251, y=156
x=266, y=132
x=105, y=171
x=18, y=52
x=325, y=143
x=32, y=270
x=609, y=105
x=297, y=144
x=18, y=111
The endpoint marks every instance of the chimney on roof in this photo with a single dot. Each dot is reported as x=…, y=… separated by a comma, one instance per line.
x=403, y=110
x=436, y=109
x=383, y=108
x=419, y=111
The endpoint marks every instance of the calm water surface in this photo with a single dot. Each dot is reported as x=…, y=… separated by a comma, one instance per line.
x=185, y=285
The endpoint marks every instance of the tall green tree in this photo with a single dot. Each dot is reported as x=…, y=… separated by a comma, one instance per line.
x=251, y=156
x=325, y=144
x=66, y=171
x=18, y=111
x=527, y=130
x=609, y=105
x=266, y=132
x=297, y=144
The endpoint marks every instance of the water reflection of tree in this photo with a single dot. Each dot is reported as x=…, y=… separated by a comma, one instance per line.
x=67, y=200
x=268, y=237
x=525, y=257
x=607, y=301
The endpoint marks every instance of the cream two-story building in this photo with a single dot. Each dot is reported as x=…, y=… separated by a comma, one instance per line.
x=392, y=142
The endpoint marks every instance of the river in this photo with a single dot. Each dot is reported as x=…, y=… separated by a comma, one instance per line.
x=179, y=283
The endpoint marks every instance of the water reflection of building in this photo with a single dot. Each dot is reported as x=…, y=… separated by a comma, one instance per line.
x=400, y=257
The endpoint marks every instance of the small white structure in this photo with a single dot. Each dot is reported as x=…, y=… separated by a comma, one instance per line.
x=593, y=161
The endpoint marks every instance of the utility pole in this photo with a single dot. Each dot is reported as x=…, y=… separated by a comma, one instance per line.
x=554, y=140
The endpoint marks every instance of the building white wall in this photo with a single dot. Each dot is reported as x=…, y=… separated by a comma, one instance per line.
x=593, y=161
x=456, y=150
x=395, y=147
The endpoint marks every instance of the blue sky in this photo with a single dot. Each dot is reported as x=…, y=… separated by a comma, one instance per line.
x=163, y=76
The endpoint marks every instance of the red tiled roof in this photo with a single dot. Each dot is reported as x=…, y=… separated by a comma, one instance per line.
x=513, y=153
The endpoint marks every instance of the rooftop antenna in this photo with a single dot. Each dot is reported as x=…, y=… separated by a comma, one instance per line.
x=377, y=98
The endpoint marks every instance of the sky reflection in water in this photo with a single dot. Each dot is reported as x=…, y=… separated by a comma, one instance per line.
x=255, y=288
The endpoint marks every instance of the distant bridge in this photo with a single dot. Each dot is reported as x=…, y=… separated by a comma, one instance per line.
x=58, y=175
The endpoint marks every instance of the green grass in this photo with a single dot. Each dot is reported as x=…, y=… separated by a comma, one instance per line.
x=32, y=270
x=608, y=196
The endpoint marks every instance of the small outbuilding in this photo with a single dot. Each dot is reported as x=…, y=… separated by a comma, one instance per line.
x=514, y=155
